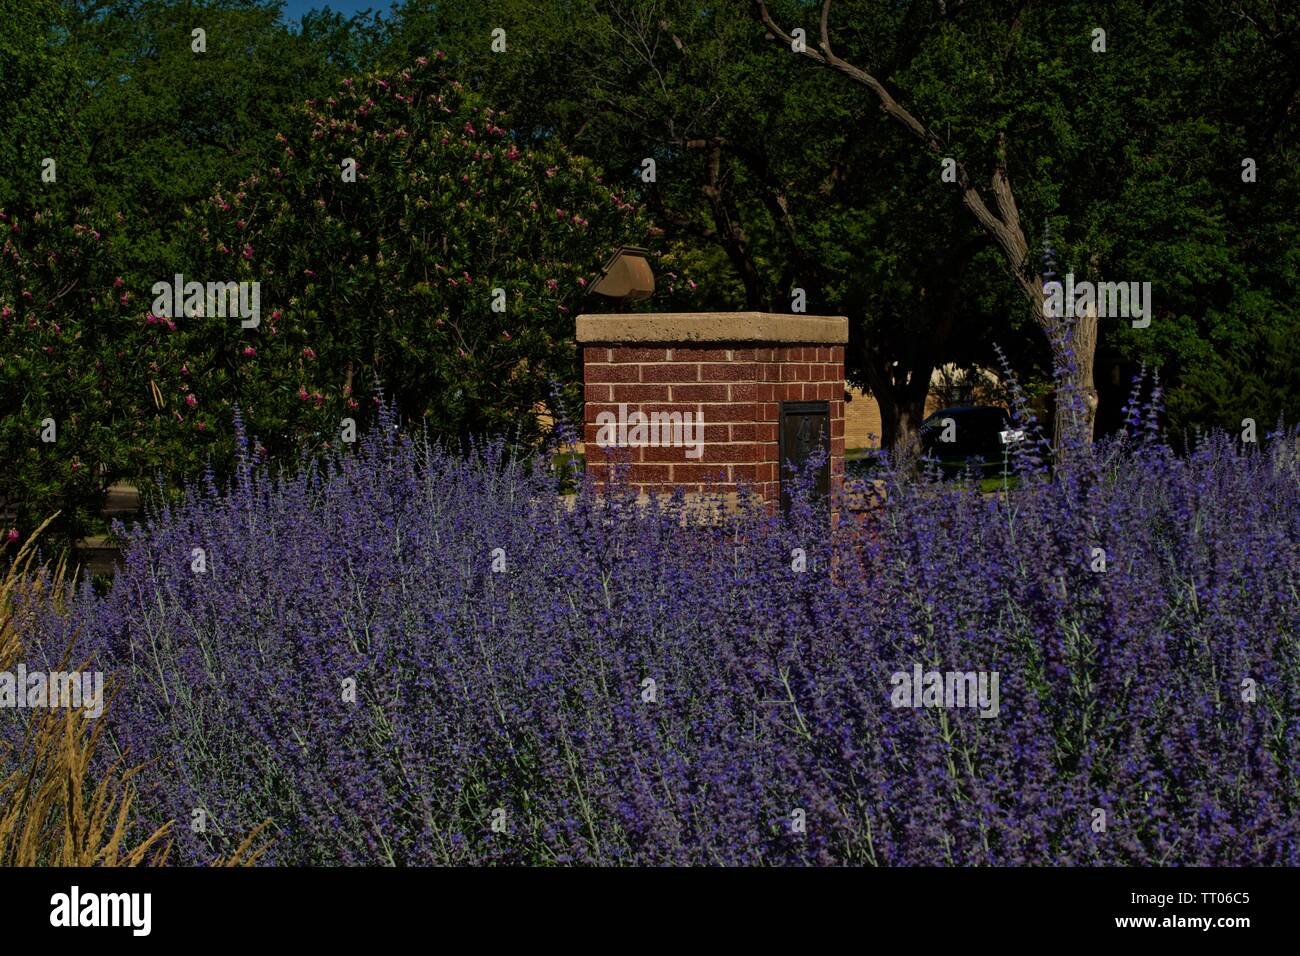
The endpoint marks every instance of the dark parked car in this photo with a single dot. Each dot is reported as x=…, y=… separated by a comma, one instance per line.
x=956, y=435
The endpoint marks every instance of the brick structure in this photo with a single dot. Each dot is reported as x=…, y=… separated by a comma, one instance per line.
x=735, y=370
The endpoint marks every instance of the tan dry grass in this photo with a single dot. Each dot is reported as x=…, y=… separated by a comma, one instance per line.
x=53, y=811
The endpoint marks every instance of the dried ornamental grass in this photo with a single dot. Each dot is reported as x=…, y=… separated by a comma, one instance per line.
x=55, y=810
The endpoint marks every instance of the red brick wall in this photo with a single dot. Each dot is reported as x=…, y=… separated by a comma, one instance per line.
x=738, y=390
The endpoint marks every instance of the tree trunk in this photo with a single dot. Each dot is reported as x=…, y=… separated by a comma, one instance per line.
x=900, y=422
x=901, y=394
x=1085, y=359
x=1076, y=416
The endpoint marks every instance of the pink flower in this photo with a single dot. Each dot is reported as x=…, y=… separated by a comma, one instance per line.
x=248, y=252
x=582, y=282
x=118, y=283
x=275, y=315
x=469, y=128
x=422, y=60
x=302, y=394
x=199, y=426
x=185, y=370
x=124, y=298
x=13, y=534
x=190, y=400
x=250, y=352
x=308, y=354
x=506, y=336
x=691, y=283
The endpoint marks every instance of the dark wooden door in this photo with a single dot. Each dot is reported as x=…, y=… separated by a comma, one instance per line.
x=805, y=429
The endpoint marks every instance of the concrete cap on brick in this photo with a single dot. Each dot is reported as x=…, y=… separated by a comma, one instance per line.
x=668, y=327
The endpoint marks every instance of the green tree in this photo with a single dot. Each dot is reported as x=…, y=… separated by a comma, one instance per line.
x=38, y=86
x=1107, y=125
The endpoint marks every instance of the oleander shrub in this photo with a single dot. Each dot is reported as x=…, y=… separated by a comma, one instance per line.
x=406, y=237
x=658, y=685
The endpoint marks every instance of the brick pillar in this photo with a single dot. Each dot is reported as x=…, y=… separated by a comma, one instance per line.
x=735, y=369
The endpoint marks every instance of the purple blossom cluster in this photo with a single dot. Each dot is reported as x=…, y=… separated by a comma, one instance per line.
x=592, y=680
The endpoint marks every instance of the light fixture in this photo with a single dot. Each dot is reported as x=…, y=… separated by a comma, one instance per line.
x=626, y=277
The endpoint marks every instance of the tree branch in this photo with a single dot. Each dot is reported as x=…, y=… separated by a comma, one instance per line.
x=1004, y=226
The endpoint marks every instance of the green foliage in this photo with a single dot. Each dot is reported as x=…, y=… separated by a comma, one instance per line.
x=37, y=83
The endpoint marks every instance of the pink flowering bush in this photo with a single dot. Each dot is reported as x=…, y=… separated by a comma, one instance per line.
x=387, y=282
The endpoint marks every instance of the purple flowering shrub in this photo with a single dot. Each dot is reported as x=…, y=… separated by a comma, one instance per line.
x=659, y=685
